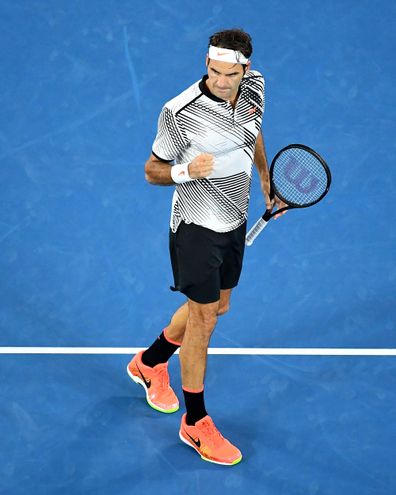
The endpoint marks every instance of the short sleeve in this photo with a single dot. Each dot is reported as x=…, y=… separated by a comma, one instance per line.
x=169, y=141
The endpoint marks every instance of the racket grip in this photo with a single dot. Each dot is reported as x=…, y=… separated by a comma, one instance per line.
x=255, y=231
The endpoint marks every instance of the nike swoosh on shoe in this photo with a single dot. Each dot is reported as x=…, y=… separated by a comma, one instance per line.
x=147, y=382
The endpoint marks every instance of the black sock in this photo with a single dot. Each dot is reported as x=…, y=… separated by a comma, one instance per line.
x=159, y=352
x=195, y=406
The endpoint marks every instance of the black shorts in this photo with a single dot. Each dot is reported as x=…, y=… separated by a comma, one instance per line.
x=204, y=261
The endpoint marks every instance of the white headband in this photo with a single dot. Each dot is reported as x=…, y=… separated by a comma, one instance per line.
x=226, y=55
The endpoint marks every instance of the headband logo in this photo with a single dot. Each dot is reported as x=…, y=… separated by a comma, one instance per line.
x=226, y=55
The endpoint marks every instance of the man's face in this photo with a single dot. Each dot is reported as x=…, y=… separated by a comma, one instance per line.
x=224, y=78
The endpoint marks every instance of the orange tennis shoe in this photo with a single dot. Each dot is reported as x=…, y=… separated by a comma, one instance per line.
x=155, y=382
x=206, y=439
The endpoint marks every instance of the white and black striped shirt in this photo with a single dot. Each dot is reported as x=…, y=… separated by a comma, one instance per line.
x=196, y=122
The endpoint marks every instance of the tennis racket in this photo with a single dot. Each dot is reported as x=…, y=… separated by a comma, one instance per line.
x=299, y=177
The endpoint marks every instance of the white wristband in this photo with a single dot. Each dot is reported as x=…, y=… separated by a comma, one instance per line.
x=179, y=173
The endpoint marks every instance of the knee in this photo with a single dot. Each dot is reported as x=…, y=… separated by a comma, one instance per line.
x=205, y=323
x=209, y=322
x=224, y=308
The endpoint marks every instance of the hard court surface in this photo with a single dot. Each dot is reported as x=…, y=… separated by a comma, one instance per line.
x=84, y=256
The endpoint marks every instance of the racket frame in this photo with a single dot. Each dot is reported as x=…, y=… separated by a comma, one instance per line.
x=268, y=214
x=275, y=192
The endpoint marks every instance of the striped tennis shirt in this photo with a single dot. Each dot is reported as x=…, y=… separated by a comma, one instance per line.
x=195, y=122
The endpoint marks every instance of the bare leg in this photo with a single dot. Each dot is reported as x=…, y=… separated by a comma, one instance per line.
x=176, y=328
x=201, y=322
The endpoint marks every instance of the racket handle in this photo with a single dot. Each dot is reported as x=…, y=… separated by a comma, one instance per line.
x=255, y=231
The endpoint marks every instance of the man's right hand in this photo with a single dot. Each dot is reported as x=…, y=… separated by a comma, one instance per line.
x=201, y=166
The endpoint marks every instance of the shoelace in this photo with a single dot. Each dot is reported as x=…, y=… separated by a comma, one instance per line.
x=163, y=377
x=212, y=432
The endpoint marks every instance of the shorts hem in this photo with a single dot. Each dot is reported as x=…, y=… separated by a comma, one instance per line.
x=199, y=300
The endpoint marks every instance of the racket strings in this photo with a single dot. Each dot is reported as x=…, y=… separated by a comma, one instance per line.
x=299, y=177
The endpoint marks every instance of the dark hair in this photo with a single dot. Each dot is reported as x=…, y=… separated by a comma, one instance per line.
x=233, y=39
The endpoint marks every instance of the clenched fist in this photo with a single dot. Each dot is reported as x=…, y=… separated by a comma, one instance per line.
x=201, y=166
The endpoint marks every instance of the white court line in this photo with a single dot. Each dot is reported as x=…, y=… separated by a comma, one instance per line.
x=250, y=351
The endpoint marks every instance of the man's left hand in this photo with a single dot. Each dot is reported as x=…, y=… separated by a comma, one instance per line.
x=278, y=203
x=271, y=203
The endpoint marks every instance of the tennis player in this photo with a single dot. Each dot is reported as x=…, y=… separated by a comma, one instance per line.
x=208, y=138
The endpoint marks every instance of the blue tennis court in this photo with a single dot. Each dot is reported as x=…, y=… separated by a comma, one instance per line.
x=84, y=260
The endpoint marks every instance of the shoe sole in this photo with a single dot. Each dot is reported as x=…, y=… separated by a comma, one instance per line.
x=139, y=381
x=184, y=440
